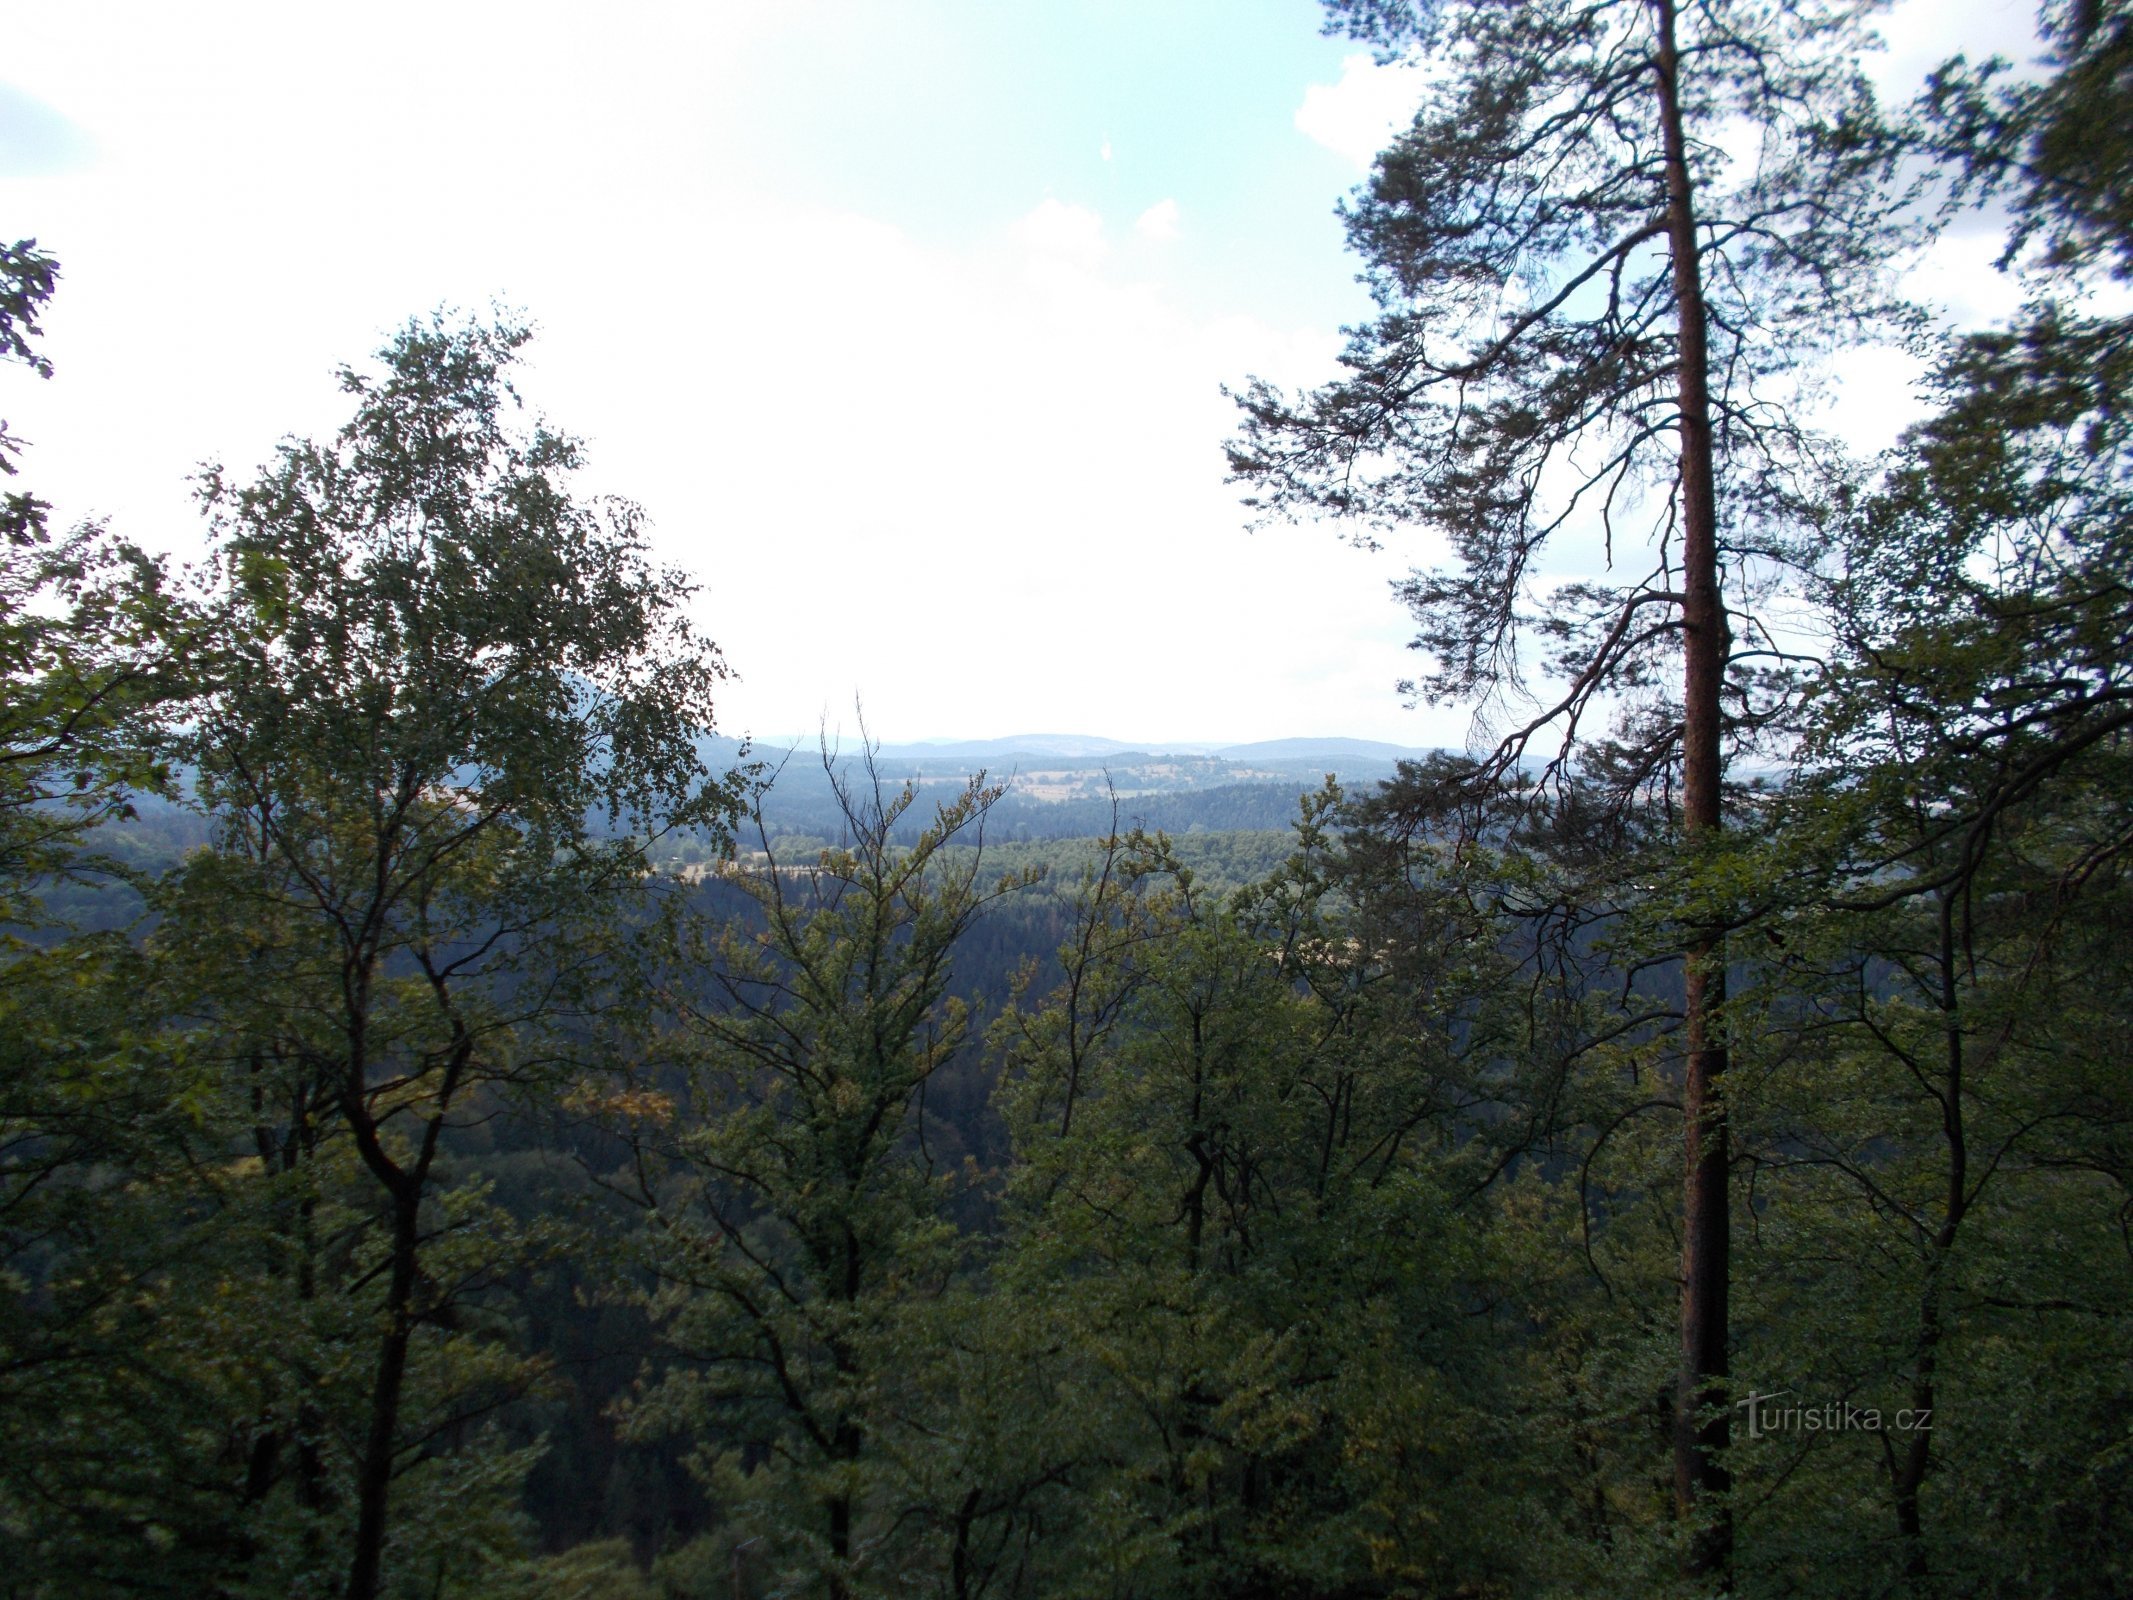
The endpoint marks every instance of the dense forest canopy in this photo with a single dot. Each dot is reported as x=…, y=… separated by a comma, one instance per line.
x=467, y=1130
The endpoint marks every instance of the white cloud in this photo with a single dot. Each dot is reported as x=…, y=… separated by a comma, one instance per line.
x=981, y=485
x=1921, y=34
x=1958, y=279
x=985, y=498
x=1358, y=116
x=1061, y=232
x=1159, y=221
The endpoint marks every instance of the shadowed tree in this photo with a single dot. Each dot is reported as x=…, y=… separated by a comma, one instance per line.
x=799, y=1222
x=85, y=642
x=447, y=702
x=1962, y=798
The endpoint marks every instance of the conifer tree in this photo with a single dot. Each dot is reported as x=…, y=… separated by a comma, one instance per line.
x=1612, y=235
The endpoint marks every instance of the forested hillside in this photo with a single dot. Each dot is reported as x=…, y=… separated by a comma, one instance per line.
x=468, y=1129
x=1048, y=795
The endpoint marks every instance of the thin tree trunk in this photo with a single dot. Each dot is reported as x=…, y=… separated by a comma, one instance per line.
x=844, y=1448
x=1908, y=1473
x=406, y=1185
x=375, y=1471
x=959, y=1567
x=1702, y=1421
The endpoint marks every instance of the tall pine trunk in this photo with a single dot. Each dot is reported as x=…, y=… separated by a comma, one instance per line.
x=1702, y=1420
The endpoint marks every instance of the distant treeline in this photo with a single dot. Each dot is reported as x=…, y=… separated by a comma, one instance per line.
x=800, y=801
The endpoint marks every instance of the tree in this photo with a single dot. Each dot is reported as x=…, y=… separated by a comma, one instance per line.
x=27, y=278
x=444, y=705
x=99, y=1450
x=1255, y=1131
x=1933, y=1111
x=2005, y=640
x=88, y=641
x=1950, y=856
x=2055, y=147
x=1614, y=231
x=798, y=1218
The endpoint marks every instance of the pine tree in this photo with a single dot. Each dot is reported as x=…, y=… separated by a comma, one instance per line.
x=1613, y=234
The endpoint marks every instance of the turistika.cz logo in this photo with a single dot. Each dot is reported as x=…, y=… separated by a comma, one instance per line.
x=1767, y=1415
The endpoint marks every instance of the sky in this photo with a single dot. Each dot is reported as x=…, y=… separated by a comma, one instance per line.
x=906, y=320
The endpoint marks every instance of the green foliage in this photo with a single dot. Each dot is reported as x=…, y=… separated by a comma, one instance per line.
x=104, y=1454
x=1320, y=1236
x=417, y=677
x=1543, y=339
x=1243, y=1211
x=796, y=1207
x=27, y=279
x=89, y=643
x=2054, y=147
x=432, y=669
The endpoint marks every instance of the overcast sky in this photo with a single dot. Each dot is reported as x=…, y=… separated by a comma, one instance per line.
x=905, y=319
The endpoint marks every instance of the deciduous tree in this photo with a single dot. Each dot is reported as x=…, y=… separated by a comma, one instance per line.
x=445, y=703
x=799, y=1221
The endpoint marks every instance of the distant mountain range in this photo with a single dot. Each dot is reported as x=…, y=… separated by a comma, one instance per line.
x=1321, y=750
x=1058, y=786
x=1072, y=746
x=1088, y=746
x=1073, y=785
